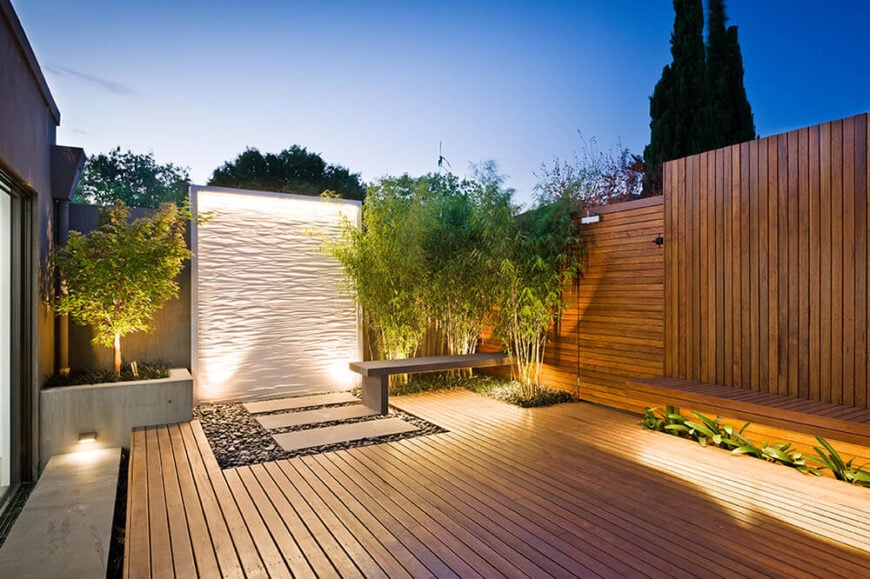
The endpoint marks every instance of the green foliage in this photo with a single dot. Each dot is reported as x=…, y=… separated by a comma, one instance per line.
x=539, y=254
x=651, y=421
x=699, y=103
x=383, y=265
x=828, y=457
x=117, y=277
x=459, y=245
x=509, y=391
x=710, y=431
x=104, y=375
x=453, y=252
x=678, y=105
x=293, y=170
x=137, y=180
x=427, y=254
x=729, y=112
x=594, y=177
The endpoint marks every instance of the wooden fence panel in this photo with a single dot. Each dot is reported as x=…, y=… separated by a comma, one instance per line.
x=766, y=264
x=613, y=329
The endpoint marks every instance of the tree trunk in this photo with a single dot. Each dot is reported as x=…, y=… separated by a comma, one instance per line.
x=117, y=354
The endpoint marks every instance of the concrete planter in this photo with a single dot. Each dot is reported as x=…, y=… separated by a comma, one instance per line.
x=111, y=410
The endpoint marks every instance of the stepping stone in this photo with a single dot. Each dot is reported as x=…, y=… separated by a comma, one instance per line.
x=300, y=402
x=271, y=421
x=342, y=433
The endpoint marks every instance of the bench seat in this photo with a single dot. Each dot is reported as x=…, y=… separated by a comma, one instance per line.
x=376, y=373
x=834, y=421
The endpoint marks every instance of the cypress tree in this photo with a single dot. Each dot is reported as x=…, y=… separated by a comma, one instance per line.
x=730, y=114
x=679, y=106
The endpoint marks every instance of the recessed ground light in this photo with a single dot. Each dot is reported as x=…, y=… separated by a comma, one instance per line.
x=87, y=437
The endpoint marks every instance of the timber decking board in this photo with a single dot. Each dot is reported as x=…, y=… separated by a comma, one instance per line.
x=467, y=504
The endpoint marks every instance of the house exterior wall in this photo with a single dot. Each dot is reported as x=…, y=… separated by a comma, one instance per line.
x=28, y=122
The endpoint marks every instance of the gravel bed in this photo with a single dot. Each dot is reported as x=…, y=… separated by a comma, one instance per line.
x=237, y=439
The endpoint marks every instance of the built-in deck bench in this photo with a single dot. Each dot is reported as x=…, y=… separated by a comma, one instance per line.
x=833, y=421
x=376, y=373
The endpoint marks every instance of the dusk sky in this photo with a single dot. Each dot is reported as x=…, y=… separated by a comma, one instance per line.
x=375, y=85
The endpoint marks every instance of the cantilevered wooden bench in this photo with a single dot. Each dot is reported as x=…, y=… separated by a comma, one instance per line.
x=376, y=373
x=835, y=421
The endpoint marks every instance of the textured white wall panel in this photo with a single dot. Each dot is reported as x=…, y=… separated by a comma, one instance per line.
x=270, y=317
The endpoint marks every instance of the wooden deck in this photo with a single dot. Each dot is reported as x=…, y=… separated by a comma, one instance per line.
x=575, y=489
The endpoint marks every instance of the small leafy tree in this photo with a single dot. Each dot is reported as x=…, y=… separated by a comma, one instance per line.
x=117, y=277
x=136, y=179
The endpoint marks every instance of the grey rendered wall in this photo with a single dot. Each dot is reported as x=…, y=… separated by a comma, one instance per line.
x=28, y=119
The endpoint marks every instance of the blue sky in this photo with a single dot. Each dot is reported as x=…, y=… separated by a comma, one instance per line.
x=375, y=85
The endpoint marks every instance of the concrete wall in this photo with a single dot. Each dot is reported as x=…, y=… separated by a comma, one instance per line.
x=168, y=343
x=111, y=410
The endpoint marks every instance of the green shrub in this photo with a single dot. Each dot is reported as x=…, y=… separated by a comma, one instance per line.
x=510, y=391
x=845, y=471
x=106, y=375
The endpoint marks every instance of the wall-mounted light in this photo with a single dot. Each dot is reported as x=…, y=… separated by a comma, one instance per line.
x=87, y=437
x=590, y=219
x=660, y=240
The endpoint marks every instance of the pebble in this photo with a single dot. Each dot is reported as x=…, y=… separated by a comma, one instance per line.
x=237, y=439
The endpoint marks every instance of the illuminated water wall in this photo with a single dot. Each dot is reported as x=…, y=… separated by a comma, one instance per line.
x=269, y=316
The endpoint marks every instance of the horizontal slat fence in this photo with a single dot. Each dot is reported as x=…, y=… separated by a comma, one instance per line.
x=766, y=264
x=615, y=312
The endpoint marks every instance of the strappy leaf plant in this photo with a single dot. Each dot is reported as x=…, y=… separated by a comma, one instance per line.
x=828, y=457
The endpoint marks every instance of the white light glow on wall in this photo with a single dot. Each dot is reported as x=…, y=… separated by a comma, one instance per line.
x=270, y=318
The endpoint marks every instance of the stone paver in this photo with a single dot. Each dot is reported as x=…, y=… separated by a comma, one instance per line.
x=342, y=433
x=272, y=421
x=299, y=402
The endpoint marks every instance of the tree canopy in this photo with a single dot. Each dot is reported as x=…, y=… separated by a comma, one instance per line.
x=730, y=115
x=136, y=179
x=293, y=170
x=700, y=102
x=593, y=177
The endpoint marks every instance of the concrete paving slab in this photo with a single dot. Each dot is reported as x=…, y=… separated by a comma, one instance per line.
x=66, y=524
x=299, y=402
x=272, y=421
x=342, y=433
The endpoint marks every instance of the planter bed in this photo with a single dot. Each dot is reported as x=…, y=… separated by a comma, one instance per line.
x=111, y=410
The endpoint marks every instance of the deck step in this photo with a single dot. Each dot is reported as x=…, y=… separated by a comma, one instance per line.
x=66, y=525
x=318, y=416
x=342, y=433
x=299, y=402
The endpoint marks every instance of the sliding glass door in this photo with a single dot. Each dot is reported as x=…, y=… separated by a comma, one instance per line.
x=16, y=334
x=5, y=336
